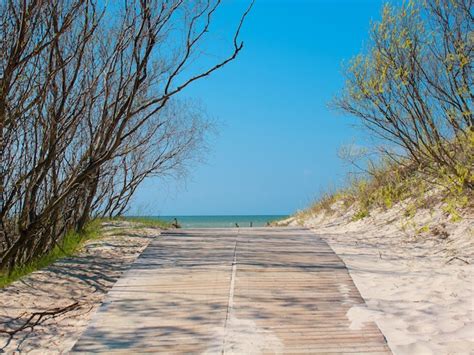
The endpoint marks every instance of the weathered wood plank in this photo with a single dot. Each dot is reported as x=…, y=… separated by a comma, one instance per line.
x=249, y=290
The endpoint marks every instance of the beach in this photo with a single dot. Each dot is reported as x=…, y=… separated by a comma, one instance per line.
x=220, y=221
x=418, y=287
x=417, y=290
x=54, y=305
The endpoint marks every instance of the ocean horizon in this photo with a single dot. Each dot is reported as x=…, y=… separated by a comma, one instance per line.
x=219, y=221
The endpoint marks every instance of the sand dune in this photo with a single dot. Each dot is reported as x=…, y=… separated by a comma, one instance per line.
x=418, y=286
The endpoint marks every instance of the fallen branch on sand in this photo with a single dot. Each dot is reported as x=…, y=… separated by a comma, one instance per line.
x=38, y=317
x=457, y=258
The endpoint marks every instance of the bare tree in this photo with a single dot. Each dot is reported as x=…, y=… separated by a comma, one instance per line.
x=166, y=147
x=87, y=112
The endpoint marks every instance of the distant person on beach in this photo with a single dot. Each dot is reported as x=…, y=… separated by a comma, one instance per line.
x=236, y=225
x=251, y=224
x=175, y=223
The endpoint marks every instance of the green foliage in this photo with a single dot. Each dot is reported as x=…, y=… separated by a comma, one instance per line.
x=410, y=210
x=423, y=229
x=452, y=206
x=323, y=203
x=71, y=243
x=361, y=213
x=147, y=222
x=411, y=87
x=453, y=212
x=388, y=184
x=384, y=187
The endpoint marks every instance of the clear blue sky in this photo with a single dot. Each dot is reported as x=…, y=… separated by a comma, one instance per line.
x=277, y=144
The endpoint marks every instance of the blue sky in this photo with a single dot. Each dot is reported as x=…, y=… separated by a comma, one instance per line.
x=276, y=150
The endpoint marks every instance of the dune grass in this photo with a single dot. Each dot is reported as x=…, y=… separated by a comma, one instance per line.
x=387, y=184
x=72, y=243
x=69, y=246
x=148, y=222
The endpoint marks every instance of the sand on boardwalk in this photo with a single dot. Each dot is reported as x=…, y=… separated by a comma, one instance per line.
x=81, y=282
x=418, y=287
x=415, y=274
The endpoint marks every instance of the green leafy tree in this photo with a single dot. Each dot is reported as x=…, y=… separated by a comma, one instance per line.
x=413, y=86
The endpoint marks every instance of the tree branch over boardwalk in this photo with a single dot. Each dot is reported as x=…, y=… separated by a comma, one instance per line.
x=88, y=109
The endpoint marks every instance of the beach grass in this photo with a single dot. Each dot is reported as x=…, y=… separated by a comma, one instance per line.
x=387, y=184
x=147, y=222
x=71, y=243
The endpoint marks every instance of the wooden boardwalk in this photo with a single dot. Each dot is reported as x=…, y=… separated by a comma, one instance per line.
x=241, y=291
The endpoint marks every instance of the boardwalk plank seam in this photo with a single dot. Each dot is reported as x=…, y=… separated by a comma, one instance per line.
x=230, y=303
x=248, y=290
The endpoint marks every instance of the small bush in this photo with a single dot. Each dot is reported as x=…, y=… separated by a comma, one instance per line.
x=360, y=214
x=71, y=243
x=387, y=184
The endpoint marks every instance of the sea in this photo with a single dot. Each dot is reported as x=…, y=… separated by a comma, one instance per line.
x=221, y=221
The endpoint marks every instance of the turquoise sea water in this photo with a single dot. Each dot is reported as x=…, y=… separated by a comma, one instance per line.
x=221, y=221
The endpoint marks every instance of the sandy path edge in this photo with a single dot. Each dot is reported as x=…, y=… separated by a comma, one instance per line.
x=421, y=306
x=418, y=286
x=84, y=278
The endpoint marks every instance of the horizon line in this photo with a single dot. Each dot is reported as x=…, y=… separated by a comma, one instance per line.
x=208, y=215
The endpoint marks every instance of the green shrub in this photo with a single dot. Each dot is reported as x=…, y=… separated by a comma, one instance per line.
x=71, y=243
x=362, y=213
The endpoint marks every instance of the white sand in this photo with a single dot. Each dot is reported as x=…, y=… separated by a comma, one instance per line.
x=85, y=279
x=419, y=287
